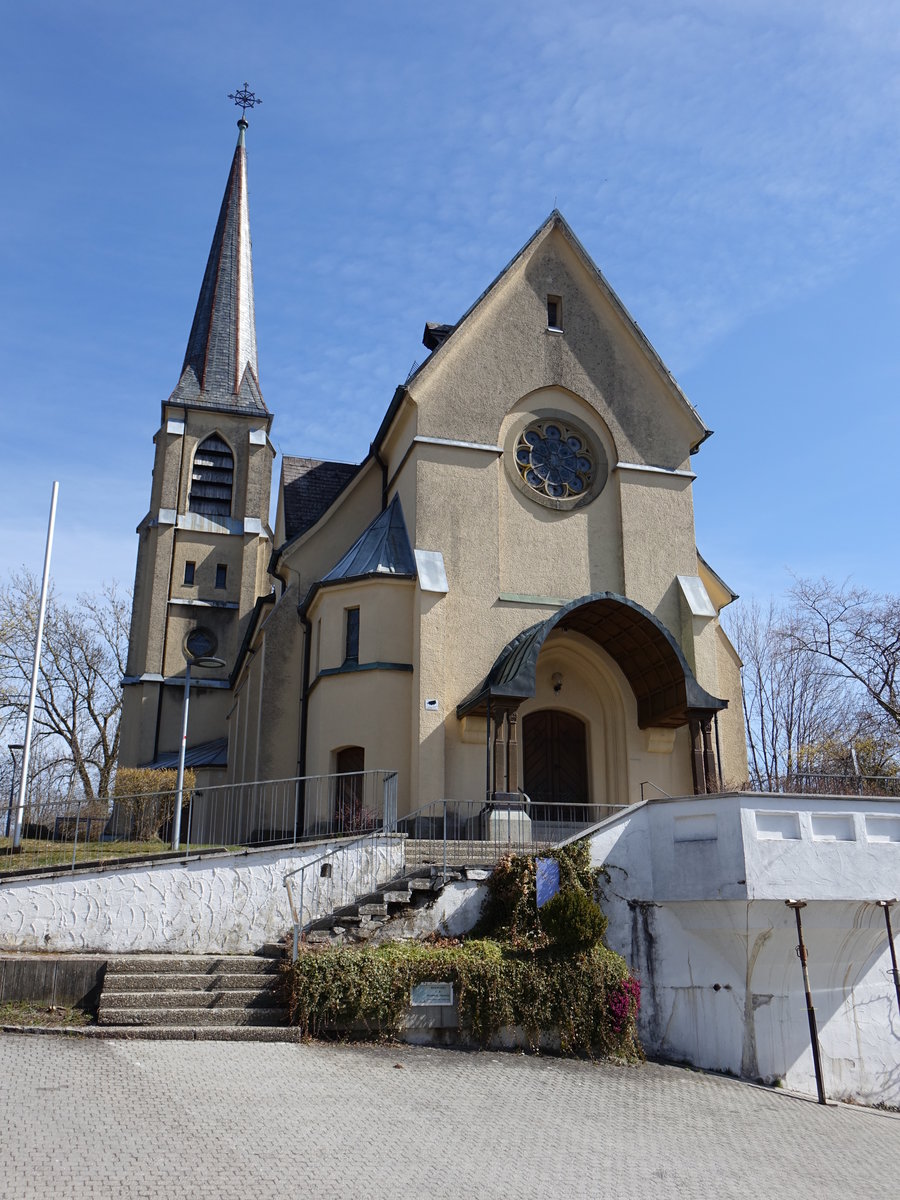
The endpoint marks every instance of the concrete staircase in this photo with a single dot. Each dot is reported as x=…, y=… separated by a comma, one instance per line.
x=233, y=997
x=385, y=913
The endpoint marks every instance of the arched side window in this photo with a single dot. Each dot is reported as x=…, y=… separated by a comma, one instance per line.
x=212, y=478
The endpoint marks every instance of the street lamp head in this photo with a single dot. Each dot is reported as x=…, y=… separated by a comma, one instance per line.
x=208, y=660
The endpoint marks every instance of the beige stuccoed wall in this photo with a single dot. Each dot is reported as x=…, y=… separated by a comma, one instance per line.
x=732, y=739
x=363, y=707
x=164, y=609
x=312, y=555
x=467, y=393
x=633, y=539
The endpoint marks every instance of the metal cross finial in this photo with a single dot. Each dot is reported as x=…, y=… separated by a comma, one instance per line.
x=244, y=99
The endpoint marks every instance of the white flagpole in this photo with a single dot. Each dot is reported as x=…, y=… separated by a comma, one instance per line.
x=29, y=722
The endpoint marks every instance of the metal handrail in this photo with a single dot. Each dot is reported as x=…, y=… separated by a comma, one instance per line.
x=491, y=837
x=297, y=916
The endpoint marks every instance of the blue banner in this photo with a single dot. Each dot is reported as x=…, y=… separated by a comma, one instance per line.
x=547, y=880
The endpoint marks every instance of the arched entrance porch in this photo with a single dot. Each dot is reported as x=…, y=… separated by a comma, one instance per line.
x=666, y=694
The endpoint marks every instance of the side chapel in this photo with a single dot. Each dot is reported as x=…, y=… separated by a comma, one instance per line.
x=506, y=594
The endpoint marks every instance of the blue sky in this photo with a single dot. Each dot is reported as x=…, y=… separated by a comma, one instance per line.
x=732, y=167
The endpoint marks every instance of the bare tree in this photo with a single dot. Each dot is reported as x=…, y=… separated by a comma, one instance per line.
x=791, y=703
x=856, y=634
x=79, y=698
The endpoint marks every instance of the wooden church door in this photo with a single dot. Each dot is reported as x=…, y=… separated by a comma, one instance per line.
x=554, y=760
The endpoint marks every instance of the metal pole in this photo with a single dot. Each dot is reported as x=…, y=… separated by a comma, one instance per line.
x=12, y=786
x=179, y=786
x=796, y=905
x=445, y=843
x=886, y=905
x=29, y=720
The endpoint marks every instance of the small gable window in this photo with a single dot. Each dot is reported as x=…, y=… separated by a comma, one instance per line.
x=212, y=478
x=554, y=313
x=221, y=575
x=189, y=569
x=351, y=639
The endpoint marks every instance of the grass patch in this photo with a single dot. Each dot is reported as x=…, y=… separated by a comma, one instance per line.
x=36, y=853
x=25, y=1012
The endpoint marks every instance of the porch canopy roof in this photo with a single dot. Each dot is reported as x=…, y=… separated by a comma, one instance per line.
x=664, y=686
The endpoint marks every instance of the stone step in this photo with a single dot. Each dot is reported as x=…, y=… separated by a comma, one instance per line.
x=168, y=1033
x=171, y=981
x=199, y=964
x=230, y=998
x=231, y=1016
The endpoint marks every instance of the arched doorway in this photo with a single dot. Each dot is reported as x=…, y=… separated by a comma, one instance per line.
x=555, y=766
x=652, y=664
x=350, y=811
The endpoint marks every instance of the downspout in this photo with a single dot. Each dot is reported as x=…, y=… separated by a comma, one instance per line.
x=300, y=801
x=488, y=756
x=376, y=454
x=304, y=720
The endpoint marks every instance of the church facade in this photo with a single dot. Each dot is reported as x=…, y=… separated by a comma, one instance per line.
x=505, y=596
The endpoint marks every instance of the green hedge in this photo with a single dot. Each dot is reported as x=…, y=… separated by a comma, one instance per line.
x=589, y=998
x=543, y=971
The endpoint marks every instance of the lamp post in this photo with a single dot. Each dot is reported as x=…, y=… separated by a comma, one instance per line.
x=195, y=643
x=12, y=787
x=796, y=905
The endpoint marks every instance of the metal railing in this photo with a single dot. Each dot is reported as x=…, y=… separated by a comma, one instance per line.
x=340, y=876
x=815, y=783
x=444, y=834
x=449, y=833
x=67, y=834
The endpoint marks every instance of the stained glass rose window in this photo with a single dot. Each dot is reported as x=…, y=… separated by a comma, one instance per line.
x=555, y=460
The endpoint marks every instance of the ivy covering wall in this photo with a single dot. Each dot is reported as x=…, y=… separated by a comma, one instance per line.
x=545, y=971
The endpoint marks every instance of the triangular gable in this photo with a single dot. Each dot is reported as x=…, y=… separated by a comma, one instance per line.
x=556, y=221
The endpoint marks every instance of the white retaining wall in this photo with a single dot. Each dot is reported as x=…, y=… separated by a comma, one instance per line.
x=696, y=906
x=222, y=904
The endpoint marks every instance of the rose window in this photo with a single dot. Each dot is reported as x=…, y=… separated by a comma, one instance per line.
x=555, y=460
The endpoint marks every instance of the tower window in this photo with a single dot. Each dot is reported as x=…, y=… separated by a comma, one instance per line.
x=351, y=640
x=189, y=569
x=554, y=312
x=212, y=478
x=221, y=574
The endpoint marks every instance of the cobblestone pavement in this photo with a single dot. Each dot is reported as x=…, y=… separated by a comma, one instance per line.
x=197, y=1120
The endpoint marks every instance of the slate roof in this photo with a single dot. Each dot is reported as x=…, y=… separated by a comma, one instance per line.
x=311, y=485
x=662, y=681
x=220, y=367
x=383, y=549
x=207, y=754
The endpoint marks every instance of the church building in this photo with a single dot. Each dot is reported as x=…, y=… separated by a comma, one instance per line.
x=504, y=596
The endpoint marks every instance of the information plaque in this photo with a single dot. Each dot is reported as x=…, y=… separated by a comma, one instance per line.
x=426, y=995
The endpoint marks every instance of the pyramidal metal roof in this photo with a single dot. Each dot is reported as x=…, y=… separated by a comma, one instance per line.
x=220, y=367
x=383, y=549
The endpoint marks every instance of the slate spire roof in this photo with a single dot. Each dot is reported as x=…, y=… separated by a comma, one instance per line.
x=220, y=366
x=383, y=549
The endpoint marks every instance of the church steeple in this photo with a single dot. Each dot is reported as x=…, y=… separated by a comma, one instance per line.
x=220, y=365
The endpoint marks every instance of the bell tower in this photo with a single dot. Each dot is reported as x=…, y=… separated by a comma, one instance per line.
x=205, y=542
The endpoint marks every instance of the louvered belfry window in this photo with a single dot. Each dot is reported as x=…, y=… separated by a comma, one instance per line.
x=212, y=478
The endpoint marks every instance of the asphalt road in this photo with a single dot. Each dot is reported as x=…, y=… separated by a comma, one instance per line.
x=136, y=1120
